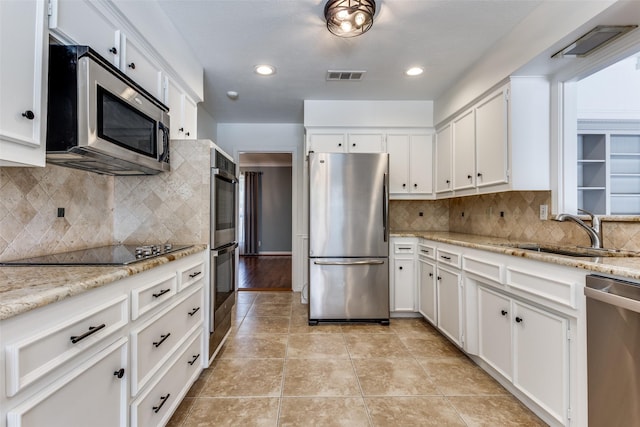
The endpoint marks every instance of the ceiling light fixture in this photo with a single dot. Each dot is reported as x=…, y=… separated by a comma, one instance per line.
x=232, y=94
x=349, y=18
x=265, y=70
x=414, y=71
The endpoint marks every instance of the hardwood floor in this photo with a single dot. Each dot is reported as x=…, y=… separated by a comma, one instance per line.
x=264, y=273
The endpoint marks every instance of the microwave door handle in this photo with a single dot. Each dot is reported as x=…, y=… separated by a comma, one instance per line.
x=163, y=132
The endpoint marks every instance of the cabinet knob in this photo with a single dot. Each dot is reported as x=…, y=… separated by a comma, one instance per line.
x=119, y=373
x=339, y=144
x=181, y=130
x=132, y=66
x=187, y=133
x=439, y=278
x=430, y=274
x=29, y=115
x=113, y=50
x=400, y=267
x=404, y=185
x=448, y=182
x=415, y=185
x=519, y=319
x=479, y=174
x=503, y=312
x=469, y=176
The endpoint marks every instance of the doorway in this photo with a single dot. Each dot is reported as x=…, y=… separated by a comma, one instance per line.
x=264, y=220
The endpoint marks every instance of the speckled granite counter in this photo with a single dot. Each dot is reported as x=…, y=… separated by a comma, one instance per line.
x=628, y=267
x=26, y=288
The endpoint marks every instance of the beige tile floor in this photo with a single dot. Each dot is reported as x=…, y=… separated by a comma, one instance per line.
x=275, y=370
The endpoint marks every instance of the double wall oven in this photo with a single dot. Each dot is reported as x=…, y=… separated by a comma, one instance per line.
x=223, y=246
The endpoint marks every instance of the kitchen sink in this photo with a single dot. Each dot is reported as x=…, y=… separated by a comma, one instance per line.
x=574, y=251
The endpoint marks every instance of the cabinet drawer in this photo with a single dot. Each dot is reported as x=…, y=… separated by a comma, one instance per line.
x=36, y=355
x=150, y=295
x=408, y=248
x=426, y=251
x=156, y=340
x=190, y=275
x=449, y=257
x=488, y=270
x=155, y=407
x=92, y=394
x=534, y=283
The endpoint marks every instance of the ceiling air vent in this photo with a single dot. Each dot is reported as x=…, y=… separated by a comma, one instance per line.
x=594, y=39
x=333, y=75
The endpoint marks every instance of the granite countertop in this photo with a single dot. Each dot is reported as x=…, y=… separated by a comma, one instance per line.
x=24, y=288
x=628, y=267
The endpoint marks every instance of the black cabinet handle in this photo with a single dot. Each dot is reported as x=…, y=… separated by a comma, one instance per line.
x=92, y=330
x=197, y=273
x=29, y=115
x=439, y=278
x=503, y=312
x=469, y=176
x=132, y=66
x=163, y=399
x=162, y=292
x=400, y=267
x=181, y=130
x=404, y=185
x=519, y=319
x=448, y=258
x=479, y=174
x=113, y=50
x=191, y=362
x=163, y=338
x=194, y=311
x=415, y=185
x=119, y=373
x=430, y=274
x=339, y=144
x=354, y=145
x=448, y=182
x=186, y=133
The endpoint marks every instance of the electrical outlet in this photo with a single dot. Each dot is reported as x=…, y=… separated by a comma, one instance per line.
x=60, y=212
x=544, y=212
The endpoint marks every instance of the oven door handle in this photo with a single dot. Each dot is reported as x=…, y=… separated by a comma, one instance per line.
x=223, y=250
x=224, y=175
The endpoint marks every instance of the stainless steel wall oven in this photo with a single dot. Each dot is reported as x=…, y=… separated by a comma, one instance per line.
x=223, y=247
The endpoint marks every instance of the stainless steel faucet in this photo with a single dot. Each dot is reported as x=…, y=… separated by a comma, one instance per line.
x=594, y=231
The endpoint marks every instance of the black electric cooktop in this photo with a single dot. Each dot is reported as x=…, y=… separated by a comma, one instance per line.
x=104, y=255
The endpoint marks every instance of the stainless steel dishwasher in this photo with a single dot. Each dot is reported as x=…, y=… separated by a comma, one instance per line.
x=613, y=351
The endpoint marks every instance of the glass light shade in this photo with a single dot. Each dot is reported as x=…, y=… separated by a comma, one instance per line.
x=414, y=71
x=349, y=18
x=265, y=70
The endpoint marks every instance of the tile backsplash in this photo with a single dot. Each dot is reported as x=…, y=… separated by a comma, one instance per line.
x=30, y=198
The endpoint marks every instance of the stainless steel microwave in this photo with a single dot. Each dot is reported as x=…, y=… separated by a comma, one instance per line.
x=100, y=120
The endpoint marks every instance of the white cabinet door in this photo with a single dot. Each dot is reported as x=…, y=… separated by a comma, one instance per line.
x=190, y=118
x=329, y=142
x=93, y=394
x=398, y=147
x=443, y=160
x=366, y=143
x=421, y=164
x=464, y=160
x=137, y=65
x=404, y=289
x=23, y=82
x=80, y=22
x=174, y=102
x=541, y=357
x=449, y=304
x=427, y=296
x=494, y=330
x=492, y=140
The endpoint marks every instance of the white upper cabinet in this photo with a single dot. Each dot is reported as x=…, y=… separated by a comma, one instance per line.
x=443, y=160
x=464, y=151
x=326, y=141
x=500, y=143
x=137, y=65
x=23, y=82
x=338, y=140
x=188, y=127
x=365, y=142
x=492, y=140
x=82, y=23
x=410, y=163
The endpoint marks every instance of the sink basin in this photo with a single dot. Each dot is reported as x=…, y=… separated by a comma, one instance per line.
x=574, y=251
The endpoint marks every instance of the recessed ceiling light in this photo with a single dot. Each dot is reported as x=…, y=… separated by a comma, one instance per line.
x=414, y=71
x=232, y=94
x=265, y=70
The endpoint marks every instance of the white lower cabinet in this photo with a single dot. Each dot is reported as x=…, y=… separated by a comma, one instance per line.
x=449, y=291
x=92, y=394
x=427, y=294
x=402, y=275
x=528, y=346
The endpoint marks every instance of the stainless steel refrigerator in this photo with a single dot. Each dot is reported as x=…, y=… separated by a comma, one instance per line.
x=348, y=237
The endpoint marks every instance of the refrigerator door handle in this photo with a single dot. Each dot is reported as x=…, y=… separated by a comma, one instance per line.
x=385, y=207
x=359, y=262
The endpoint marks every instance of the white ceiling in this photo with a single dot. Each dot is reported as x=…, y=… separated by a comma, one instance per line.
x=230, y=37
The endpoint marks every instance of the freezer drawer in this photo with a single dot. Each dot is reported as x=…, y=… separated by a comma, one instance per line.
x=348, y=289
